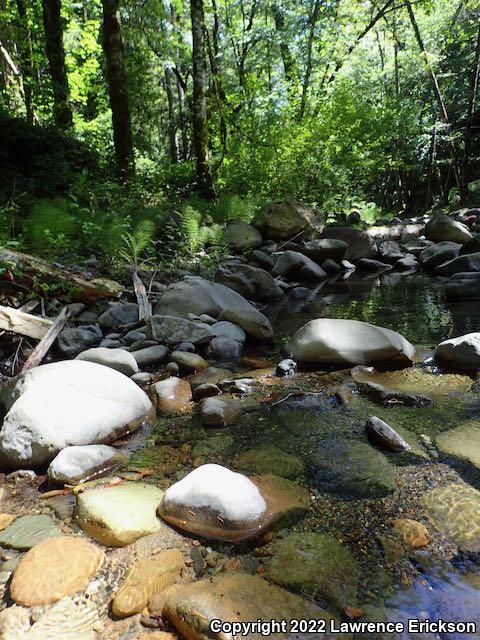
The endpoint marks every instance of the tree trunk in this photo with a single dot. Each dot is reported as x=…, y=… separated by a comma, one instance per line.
x=308, y=71
x=172, y=133
x=199, y=108
x=28, y=69
x=436, y=88
x=52, y=22
x=117, y=87
x=467, y=134
x=287, y=57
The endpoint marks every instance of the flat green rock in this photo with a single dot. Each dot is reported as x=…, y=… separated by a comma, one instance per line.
x=462, y=442
x=27, y=531
x=269, y=460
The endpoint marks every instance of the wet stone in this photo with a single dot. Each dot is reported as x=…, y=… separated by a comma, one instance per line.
x=27, y=531
x=265, y=459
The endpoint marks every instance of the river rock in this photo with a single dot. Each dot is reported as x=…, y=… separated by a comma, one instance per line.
x=146, y=578
x=286, y=368
x=240, y=597
x=368, y=265
x=173, y=331
x=360, y=244
x=343, y=342
x=414, y=533
x=224, y=349
x=214, y=502
x=381, y=433
x=288, y=218
x=408, y=263
x=353, y=469
x=54, y=568
x=242, y=236
x=219, y=411
x=66, y=403
x=206, y=390
x=390, y=252
x=151, y=356
x=118, y=359
x=316, y=565
x=468, y=263
x=79, y=464
x=117, y=315
x=296, y=266
x=263, y=259
x=462, y=353
x=74, y=340
x=462, y=442
x=173, y=395
x=442, y=227
x=27, y=531
x=211, y=375
x=463, y=286
x=227, y=329
x=455, y=509
x=264, y=459
x=472, y=246
x=119, y=515
x=251, y=282
x=199, y=296
x=438, y=254
x=326, y=249
x=189, y=362
x=287, y=501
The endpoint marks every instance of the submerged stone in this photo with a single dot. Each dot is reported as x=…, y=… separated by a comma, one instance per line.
x=55, y=568
x=27, y=531
x=455, y=509
x=381, y=433
x=414, y=533
x=317, y=565
x=121, y=514
x=353, y=469
x=238, y=597
x=462, y=442
x=265, y=459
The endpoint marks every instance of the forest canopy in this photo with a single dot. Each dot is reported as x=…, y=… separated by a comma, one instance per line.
x=214, y=107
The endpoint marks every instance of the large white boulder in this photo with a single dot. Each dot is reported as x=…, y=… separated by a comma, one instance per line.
x=78, y=464
x=344, y=342
x=213, y=498
x=66, y=403
x=118, y=359
x=461, y=353
x=198, y=296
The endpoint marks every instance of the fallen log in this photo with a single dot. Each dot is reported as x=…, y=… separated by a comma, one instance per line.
x=144, y=306
x=48, y=339
x=50, y=281
x=24, y=323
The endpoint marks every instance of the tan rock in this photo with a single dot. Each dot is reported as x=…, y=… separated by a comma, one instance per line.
x=6, y=519
x=158, y=635
x=55, y=568
x=144, y=579
x=414, y=533
x=286, y=501
x=172, y=395
x=235, y=597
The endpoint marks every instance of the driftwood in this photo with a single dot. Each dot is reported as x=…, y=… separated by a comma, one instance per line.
x=50, y=281
x=24, y=323
x=144, y=306
x=48, y=339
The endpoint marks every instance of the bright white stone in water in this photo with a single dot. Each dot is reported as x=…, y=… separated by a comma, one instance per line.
x=79, y=463
x=231, y=494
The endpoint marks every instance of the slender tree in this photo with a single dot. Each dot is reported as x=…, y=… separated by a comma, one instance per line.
x=26, y=54
x=199, y=107
x=52, y=22
x=117, y=87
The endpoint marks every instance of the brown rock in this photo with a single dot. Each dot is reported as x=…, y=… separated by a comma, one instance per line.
x=286, y=501
x=144, y=579
x=172, y=395
x=414, y=533
x=6, y=519
x=57, y=567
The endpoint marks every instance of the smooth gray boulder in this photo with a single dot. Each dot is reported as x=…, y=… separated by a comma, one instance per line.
x=389, y=251
x=463, y=286
x=118, y=314
x=324, y=249
x=253, y=283
x=224, y=349
x=242, y=236
x=367, y=265
x=74, y=340
x=343, y=342
x=225, y=329
x=360, y=244
x=469, y=263
x=173, y=331
x=462, y=353
x=438, y=254
x=118, y=359
x=442, y=227
x=295, y=265
x=60, y=404
x=196, y=295
x=151, y=356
